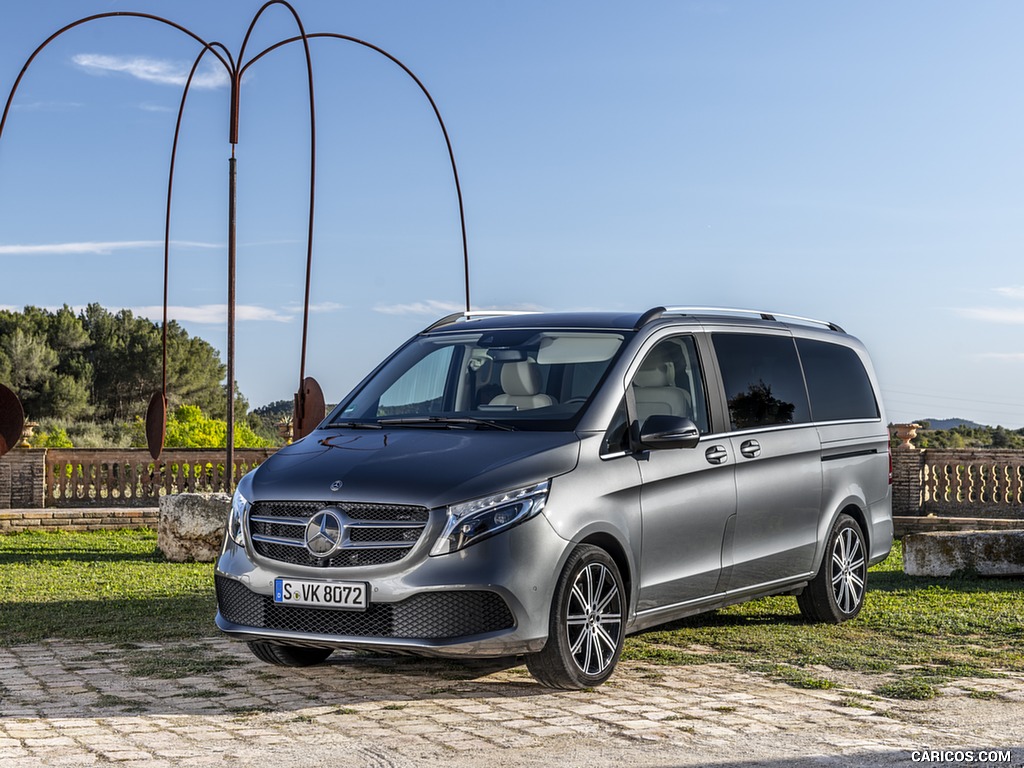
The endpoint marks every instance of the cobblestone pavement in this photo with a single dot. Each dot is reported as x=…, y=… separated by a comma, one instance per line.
x=209, y=703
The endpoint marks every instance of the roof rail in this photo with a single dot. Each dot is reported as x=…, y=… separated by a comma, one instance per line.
x=462, y=317
x=659, y=312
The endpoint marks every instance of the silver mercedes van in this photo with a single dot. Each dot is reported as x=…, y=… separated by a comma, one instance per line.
x=543, y=484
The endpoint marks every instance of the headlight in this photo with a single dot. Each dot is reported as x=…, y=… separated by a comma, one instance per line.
x=236, y=523
x=473, y=521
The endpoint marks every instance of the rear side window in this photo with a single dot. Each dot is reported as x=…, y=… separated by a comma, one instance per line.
x=763, y=382
x=836, y=381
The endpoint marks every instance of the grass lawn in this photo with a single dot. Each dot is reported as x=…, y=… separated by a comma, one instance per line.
x=109, y=586
x=115, y=587
x=919, y=631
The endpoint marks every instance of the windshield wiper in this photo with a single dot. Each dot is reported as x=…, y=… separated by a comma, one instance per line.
x=352, y=425
x=444, y=421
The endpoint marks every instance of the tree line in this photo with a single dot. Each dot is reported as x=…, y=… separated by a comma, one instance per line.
x=94, y=371
x=964, y=436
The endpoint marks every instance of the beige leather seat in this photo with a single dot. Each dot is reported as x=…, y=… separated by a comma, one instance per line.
x=521, y=385
x=655, y=391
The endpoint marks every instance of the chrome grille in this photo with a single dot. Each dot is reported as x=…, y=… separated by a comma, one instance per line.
x=373, y=534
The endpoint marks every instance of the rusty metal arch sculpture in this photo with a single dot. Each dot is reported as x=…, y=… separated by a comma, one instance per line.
x=11, y=412
x=309, y=399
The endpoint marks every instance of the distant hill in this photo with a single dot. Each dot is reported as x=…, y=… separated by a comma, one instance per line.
x=950, y=423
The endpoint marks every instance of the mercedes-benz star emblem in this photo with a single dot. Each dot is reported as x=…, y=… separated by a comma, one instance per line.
x=324, y=532
x=336, y=485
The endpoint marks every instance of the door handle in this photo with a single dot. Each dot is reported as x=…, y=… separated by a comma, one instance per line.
x=751, y=449
x=716, y=454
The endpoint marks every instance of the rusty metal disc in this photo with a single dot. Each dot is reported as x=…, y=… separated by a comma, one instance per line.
x=156, y=424
x=310, y=408
x=12, y=419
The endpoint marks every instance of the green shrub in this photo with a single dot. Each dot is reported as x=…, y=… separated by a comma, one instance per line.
x=189, y=427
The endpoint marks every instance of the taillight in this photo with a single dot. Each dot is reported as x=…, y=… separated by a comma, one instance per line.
x=890, y=463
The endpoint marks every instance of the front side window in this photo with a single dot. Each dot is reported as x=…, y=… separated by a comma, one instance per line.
x=669, y=382
x=515, y=378
x=763, y=382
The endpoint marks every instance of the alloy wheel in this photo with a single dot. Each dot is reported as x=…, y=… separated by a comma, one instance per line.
x=593, y=619
x=849, y=570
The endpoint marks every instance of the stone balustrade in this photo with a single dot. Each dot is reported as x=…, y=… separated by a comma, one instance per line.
x=959, y=483
x=96, y=477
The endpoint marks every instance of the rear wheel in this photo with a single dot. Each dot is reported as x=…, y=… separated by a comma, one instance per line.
x=837, y=593
x=587, y=625
x=288, y=655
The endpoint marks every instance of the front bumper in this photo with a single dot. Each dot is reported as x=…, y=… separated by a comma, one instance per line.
x=490, y=599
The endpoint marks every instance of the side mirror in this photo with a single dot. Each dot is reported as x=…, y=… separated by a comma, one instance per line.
x=664, y=431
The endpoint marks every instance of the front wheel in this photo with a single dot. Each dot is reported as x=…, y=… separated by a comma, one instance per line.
x=837, y=593
x=587, y=625
x=288, y=655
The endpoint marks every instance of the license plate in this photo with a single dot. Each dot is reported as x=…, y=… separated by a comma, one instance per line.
x=344, y=595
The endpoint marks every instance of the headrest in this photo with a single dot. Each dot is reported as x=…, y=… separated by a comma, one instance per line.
x=655, y=375
x=519, y=379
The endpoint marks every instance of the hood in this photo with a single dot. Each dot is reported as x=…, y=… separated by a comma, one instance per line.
x=424, y=466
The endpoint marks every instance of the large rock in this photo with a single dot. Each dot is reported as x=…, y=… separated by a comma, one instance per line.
x=943, y=553
x=192, y=526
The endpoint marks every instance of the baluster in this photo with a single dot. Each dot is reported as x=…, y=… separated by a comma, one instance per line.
x=982, y=483
x=63, y=476
x=119, y=472
x=90, y=479
x=942, y=483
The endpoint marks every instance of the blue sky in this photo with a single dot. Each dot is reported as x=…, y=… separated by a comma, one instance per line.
x=857, y=162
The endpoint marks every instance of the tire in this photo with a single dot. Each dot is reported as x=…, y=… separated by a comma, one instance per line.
x=587, y=625
x=288, y=655
x=837, y=593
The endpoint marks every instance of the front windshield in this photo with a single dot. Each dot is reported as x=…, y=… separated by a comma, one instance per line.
x=522, y=379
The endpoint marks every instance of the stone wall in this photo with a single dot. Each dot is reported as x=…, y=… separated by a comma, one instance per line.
x=16, y=521
x=906, y=482
x=22, y=478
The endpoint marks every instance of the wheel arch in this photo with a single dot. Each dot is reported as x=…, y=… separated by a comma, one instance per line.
x=616, y=552
x=853, y=508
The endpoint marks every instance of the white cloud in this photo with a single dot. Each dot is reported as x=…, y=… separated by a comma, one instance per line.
x=326, y=306
x=46, y=106
x=214, y=314
x=211, y=75
x=148, y=106
x=430, y=307
x=1011, y=291
x=98, y=248
x=1002, y=315
x=322, y=307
